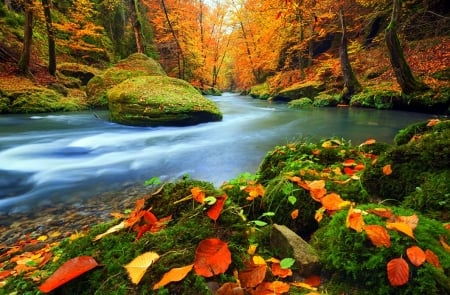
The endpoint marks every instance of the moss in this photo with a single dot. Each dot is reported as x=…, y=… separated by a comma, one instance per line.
x=261, y=91
x=411, y=163
x=325, y=100
x=301, y=103
x=379, y=99
x=356, y=266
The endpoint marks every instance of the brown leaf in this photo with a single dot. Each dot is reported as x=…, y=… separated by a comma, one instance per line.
x=275, y=288
x=173, y=275
x=67, y=272
x=398, y=272
x=252, y=275
x=416, y=255
x=378, y=235
x=212, y=257
x=230, y=289
x=313, y=281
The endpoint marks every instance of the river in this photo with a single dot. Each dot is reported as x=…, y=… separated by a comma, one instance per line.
x=54, y=158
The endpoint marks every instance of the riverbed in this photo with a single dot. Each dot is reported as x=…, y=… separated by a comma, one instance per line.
x=68, y=158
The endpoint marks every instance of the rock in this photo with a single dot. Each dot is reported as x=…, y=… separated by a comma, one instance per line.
x=159, y=101
x=288, y=244
x=135, y=65
x=298, y=90
x=261, y=91
x=81, y=72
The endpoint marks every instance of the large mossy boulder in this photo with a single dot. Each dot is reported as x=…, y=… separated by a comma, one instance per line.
x=80, y=72
x=135, y=65
x=307, y=89
x=159, y=101
x=261, y=91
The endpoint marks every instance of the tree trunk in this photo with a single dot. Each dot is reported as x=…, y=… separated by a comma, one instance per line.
x=351, y=84
x=403, y=73
x=24, y=61
x=180, y=55
x=50, y=37
x=301, y=38
x=136, y=24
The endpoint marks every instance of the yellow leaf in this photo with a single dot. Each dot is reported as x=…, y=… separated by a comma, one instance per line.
x=173, y=275
x=138, y=266
x=401, y=227
x=258, y=260
x=252, y=249
x=42, y=238
x=304, y=285
x=54, y=234
x=318, y=216
x=111, y=230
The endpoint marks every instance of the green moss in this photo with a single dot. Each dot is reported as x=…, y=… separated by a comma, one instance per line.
x=261, y=91
x=356, y=266
x=325, y=100
x=301, y=103
x=379, y=99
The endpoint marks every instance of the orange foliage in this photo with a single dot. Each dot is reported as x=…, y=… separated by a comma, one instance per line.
x=398, y=272
x=212, y=257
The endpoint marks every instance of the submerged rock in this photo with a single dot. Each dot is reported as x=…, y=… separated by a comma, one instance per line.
x=159, y=101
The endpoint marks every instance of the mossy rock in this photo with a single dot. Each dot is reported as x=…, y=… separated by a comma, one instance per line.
x=260, y=91
x=378, y=99
x=436, y=101
x=410, y=162
x=135, y=65
x=78, y=71
x=307, y=89
x=326, y=100
x=355, y=266
x=211, y=91
x=418, y=129
x=159, y=101
x=41, y=100
x=301, y=103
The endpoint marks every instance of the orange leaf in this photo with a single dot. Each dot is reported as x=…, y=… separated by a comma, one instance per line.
x=378, y=235
x=273, y=288
x=349, y=163
x=313, y=281
x=387, y=170
x=333, y=202
x=198, y=195
x=278, y=271
x=317, y=189
x=416, y=255
x=382, y=212
x=212, y=257
x=400, y=227
x=173, y=275
x=368, y=142
x=294, y=214
x=299, y=181
x=432, y=258
x=355, y=220
x=398, y=272
x=304, y=285
x=433, y=122
x=254, y=191
x=252, y=275
x=67, y=272
x=216, y=209
x=411, y=221
x=5, y=273
x=444, y=243
x=149, y=217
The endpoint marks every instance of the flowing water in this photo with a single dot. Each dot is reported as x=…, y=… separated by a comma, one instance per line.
x=54, y=158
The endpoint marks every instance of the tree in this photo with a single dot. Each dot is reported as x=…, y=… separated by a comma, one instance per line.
x=50, y=37
x=136, y=25
x=24, y=61
x=351, y=84
x=403, y=73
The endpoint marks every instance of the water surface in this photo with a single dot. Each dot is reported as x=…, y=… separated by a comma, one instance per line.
x=53, y=158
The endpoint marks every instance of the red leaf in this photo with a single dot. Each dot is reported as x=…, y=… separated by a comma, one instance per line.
x=252, y=275
x=67, y=272
x=398, y=272
x=313, y=281
x=416, y=255
x=432, y=258
x=212, y=257
x=280, y=272
x=378, y=235
x=216, y=209
x=150, y=218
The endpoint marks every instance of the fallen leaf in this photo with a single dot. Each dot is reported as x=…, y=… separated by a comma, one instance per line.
x=433, y=122
x=278, y=271
x=139, y=265
x=304, y=285
x=173, y=275
x=230, y=289
x=317, y=189
x=387, y=170
x=400, y=227
x=5, y=273
x=252, y=249
x=254, y=191
x=355, y=220
x=444, y=243
x=294, y=214
x=432, y=258
x=259, y=260
x=252, y=275
x=111, y=230
x=313, y=281
x=416, y=255
x=318, y=216
x=349, y=163
x=198, y=194
x=67, y=272
x=215, y=210
x=212, y=257
x=333, y=202
x=368, y=142
x=382, y=212
x=397, y=272
x=411, y=221
x=275, y=288
x=378, y=235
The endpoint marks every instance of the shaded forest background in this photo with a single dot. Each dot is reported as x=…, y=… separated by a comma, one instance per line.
x=232, y=44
